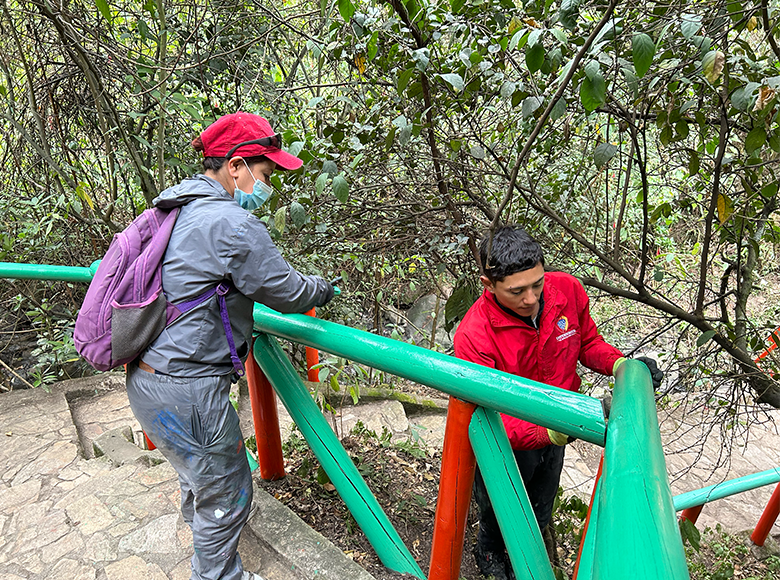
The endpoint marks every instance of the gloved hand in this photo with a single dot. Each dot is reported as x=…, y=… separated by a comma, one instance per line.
x=606, y=405
x=329, y=293
x=655, y=372
x=557, y=438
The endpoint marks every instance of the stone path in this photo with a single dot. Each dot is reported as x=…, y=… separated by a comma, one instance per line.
x=65, y=513
x=68, y=515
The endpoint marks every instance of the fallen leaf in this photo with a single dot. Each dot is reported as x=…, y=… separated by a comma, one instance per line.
x=765, y=94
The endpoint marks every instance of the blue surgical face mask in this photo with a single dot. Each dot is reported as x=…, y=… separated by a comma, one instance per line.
x=260, y=193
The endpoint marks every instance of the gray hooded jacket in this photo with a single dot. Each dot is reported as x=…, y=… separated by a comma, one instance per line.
x=215, y=239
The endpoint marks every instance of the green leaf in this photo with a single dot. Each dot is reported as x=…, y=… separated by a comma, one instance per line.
x=477, y=152
x=559, y=108
x=456, y=5
x=593, y=92
x=403, y=79
x=280, y=219
x=690, y=25
x=743, y=96
x=643, y=49
x=372, y=47
x=560, y=35
x=755, y=140
x=322, y=476
x=769, y=190
x=457, y=305
x=534, y=57
x=633, y=84
x=515, y=39
x=319, y=185
x=603, y=153
x=454, y=80
x=774, y=143
x=569, y=13
x=507, y=89
x=693, y=164
x=341, y=188
x=297, y=214
x=102, y=5
x=421, y=57
x=658, y=275
x=705, y=337
x=689, y=533
x=592, y=69
x=665, y=136
x=346, y=9
x=334, y=384
x=329, y=167
x=530, y=105
x=682, y=130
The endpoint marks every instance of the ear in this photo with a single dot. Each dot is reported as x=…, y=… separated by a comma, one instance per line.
x=487, y=284
x=233, y=165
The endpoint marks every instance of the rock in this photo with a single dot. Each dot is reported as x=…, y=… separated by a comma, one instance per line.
x=421, y=317
x=117, y=445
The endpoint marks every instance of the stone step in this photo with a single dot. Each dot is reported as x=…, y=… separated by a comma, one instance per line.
x=116, y=515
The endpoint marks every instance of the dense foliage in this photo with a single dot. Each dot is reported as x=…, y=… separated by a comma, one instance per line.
x=638, y=141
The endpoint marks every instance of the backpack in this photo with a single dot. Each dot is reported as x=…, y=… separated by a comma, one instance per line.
x=125, y=308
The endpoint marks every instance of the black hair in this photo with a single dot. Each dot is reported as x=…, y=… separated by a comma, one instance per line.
x=512, y=251
x=216, y=163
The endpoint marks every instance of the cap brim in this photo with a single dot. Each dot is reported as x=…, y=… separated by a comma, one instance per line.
x=284, y=160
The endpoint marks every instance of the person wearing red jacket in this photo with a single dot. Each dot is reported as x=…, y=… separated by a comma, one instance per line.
x=536, y=325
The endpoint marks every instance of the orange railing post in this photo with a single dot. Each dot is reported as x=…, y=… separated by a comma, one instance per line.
x=452, y=507
x=587, y=517
x=691, y=513
x=767, y=519
x=149, y=445
x=312, y=357
x=266, y=420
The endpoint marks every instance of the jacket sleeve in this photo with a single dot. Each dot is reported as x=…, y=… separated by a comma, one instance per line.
x=260, y=272
x=595, y=352
x=522, y=434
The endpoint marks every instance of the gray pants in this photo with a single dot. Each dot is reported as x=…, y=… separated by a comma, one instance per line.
x=193, y=424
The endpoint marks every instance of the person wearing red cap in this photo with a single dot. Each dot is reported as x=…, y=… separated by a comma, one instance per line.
x=179, y=388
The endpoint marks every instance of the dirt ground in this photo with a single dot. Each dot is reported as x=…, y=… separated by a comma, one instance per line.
x=405, y=481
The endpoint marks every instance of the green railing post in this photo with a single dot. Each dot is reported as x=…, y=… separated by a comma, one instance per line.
x=571, y=413
x=508, y=495
x=637, y=537
x=334, y=459
x=584, y=568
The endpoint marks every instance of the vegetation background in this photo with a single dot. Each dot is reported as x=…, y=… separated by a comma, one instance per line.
x=637, y=140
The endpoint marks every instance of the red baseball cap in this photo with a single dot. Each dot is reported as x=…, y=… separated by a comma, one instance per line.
x=246, y=135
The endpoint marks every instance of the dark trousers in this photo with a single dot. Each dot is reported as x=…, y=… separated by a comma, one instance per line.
x=541, y=473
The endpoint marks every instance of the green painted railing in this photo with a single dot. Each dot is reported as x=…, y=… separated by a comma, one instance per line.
x=637, y=534
x=571, y=413
x=725, y=489
x=47, y=272
x=632, y=532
